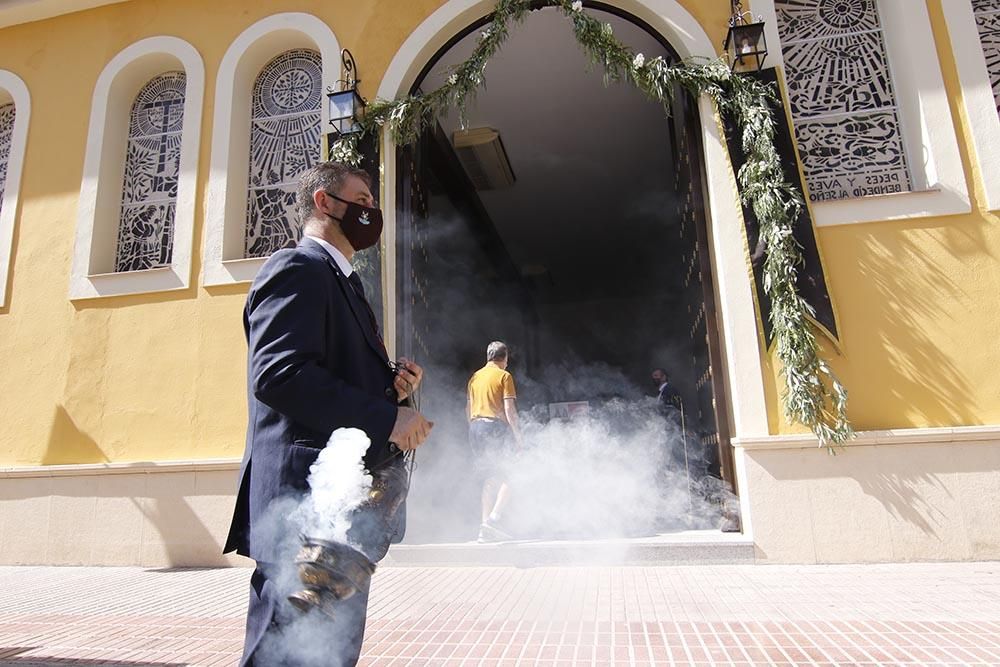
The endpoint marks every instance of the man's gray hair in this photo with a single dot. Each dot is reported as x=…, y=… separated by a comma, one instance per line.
x=496, y=351
x=329, y=176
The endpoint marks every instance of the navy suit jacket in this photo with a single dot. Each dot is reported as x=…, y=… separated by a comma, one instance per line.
x=315, y=364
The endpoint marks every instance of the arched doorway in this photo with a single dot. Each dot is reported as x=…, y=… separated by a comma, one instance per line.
x=579, y=234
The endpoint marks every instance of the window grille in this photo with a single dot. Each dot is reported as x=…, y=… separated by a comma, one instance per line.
x=847, y=122
x=987, y=13
x=285, y=137
x=149, y=191
x=6, y=135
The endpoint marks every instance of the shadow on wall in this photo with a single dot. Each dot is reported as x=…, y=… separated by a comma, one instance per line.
x=901, y=296
x=161, y=499
x=186, y=539
x=69, y=444
x=915, y=490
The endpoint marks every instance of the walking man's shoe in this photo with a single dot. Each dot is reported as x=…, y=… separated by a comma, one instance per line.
x=490, y=532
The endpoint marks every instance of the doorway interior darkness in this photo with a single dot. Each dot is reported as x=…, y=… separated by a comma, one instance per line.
x=593, y=265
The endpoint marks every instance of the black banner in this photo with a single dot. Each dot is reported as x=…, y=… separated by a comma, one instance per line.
x=811, y=282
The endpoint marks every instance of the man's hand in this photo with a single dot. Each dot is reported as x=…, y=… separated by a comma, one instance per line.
x=411, y=429
x=408, y=378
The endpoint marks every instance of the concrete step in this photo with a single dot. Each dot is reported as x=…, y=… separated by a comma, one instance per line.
x=693, y=547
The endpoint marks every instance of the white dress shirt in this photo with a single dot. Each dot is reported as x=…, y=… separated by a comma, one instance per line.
x=338, y=257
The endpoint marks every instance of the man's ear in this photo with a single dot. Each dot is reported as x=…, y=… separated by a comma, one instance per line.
x=318, y=199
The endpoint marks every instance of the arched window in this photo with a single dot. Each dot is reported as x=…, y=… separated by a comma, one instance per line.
x=152, y=160
x=285, y=140
x=7, y=114
x=267, y=89
x=15, y=108
x=135, y=222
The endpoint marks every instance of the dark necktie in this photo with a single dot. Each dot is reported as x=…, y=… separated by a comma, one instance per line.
x=359, y=289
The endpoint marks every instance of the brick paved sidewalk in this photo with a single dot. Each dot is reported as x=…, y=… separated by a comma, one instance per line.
x=918, y=614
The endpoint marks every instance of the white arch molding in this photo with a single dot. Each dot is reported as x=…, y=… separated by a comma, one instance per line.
x=727, y=246
x=226, y=200
x=12, y=89
x=103, y=170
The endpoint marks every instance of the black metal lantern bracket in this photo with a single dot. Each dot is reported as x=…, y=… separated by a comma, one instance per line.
x=745, y=45
x=345, y=103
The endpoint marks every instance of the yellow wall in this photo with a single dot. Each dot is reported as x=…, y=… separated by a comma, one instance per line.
x=150, y=377
x=161, y=377
x=918, y=304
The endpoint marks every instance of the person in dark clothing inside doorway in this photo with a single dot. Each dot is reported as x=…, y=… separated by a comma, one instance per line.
x=667, y=395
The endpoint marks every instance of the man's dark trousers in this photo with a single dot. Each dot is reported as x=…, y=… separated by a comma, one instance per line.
x=315, y=364
x=264, y=613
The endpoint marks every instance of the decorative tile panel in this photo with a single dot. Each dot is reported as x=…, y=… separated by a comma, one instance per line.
x=818, y=19
x=848, y=73
x=149, y=188
x=6, y=134
x=842, y=99
x=988, y=21
x=852, y=156
x=285, y=137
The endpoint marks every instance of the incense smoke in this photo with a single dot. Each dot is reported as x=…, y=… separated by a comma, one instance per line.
x=338, y=484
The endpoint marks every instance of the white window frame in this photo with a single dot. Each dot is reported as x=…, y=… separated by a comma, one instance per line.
x=12, y=89
x=226, y=199
x=929, y=137
x=99, y=213
x=977, y=96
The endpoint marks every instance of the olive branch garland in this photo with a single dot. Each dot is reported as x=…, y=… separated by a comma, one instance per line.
x=813, y=396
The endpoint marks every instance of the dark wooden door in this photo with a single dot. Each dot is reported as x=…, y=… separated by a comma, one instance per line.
x=708, y=419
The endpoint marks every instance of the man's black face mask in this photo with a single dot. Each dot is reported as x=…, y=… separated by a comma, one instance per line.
x=361, y=225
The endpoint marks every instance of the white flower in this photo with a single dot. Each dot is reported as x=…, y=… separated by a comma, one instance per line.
x=577, y=6
x=453, y=79
x=639, y=60
x=607, y=29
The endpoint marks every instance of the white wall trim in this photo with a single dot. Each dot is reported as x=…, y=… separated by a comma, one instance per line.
x=100, y=190
x=13, y=87
x=977, y=95
x=900, y=436
x=936, y=169
x=226, y=200
x=138, y=467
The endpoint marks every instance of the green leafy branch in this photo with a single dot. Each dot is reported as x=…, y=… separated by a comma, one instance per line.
x=812, y=396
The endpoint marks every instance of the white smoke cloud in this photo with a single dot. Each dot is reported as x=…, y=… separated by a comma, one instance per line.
x=624, y=469
x=338, y=484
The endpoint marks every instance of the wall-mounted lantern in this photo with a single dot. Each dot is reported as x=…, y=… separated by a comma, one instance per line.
x=346, y=104
x=745, y=45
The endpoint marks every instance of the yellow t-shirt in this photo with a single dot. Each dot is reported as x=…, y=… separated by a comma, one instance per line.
x=488, y=388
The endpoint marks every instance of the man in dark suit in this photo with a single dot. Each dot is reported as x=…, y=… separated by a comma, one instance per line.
x=666, y=394
x=316, y=363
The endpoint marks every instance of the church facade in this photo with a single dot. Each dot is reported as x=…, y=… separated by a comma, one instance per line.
x=148, y=156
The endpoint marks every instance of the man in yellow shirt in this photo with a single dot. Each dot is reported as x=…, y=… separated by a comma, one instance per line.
x=492, y=412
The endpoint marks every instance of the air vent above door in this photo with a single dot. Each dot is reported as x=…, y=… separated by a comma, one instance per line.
x=482, y=154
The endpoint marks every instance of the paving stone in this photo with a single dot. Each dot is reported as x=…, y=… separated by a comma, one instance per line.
x=906, y=614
